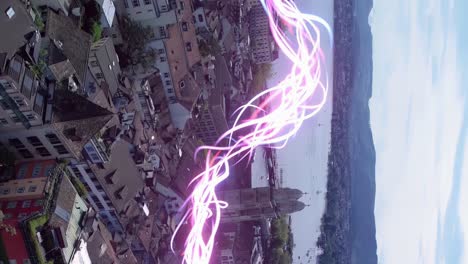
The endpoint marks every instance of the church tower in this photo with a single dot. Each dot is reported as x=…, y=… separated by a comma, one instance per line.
x=259, y=203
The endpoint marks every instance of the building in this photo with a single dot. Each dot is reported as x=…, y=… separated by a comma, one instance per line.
x=65, y=223
x=68, y=50
x=144, y=103
x=97, y=197
x=112, y=186
x=70, y=122
x=56, y=5
x=157, y=14
x=101, y=246
x=23, y=103
x=210, y=117
x=108, y=12
x=104, y=64
x=259, y=203
x=20, y=199
x=16, y=23
x=262, y=46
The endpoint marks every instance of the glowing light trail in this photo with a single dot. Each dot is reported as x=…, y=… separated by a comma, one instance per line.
x=277, y=118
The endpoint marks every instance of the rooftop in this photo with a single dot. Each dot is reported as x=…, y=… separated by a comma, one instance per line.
x=120, y=177
x=75, y=43
x=77, y=118
x=17, y=26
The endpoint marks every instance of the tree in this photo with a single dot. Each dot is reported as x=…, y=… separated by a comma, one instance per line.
x=261, y=74
x=96, y=31
x=209, y=47
x=136, y=38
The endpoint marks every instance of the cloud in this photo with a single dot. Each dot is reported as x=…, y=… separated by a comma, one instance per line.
x=462, y=211
x=416, y=117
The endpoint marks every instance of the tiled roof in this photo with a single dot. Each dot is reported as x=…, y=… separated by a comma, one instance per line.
x=76, y=43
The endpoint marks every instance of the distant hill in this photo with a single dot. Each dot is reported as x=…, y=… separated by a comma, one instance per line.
x=348, y=225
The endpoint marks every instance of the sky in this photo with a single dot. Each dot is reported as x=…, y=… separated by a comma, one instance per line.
x=419, y=120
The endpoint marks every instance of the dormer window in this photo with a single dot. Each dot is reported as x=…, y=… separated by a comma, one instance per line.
x=188, y=46
x=184, y=26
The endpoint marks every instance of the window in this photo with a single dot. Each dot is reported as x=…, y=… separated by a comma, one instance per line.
x=166, y=75
x=163, y=59
x=32, y=188
x=25, y=153
x=22, y=171
x=99, y=75
x=125, y=3
x=150, y=10
x=7, y=216
x=6, y=84
x=27, y=204
x=43, y=152
x=135, y=3
x=162, y=31
x=94, y=156
x=19, y=101
x=5, y=106
x=3, y=121
x=61, y=149
x=38, y=202
x=160, y=51
x=200, y=18
x=147, y=2
x=37, y=170
x=20, y=190
x=99, y=205
x=34, y=141
x=15, y=118
x=11, y=205
x=48, y=169
x=94, y=64
x=182, y=5
x=184, y=26
x=26, y=261
x=168, y=82
x=30, y=116
x=171, y=91
x=188, y=46
x=6, y=191
x=16, y=143
x=138, y=12
x=21, y=216
x=53, y=139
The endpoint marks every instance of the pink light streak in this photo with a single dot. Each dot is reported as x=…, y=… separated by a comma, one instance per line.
x=279, y=116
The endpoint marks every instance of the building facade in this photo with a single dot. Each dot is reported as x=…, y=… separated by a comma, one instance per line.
x=21, y=198
x=97, y=197
x=262, y=44
x=22, y=102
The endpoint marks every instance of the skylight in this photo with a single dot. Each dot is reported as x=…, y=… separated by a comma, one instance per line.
x=10, y=12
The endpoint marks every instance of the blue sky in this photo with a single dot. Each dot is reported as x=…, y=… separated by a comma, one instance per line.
x=419, y=118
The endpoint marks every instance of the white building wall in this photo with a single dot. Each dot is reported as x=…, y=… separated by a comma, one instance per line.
x=200, y=23
x=97, y=197
x=156, y=14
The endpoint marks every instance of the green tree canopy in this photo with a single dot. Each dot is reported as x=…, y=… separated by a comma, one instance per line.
x=136, y=38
